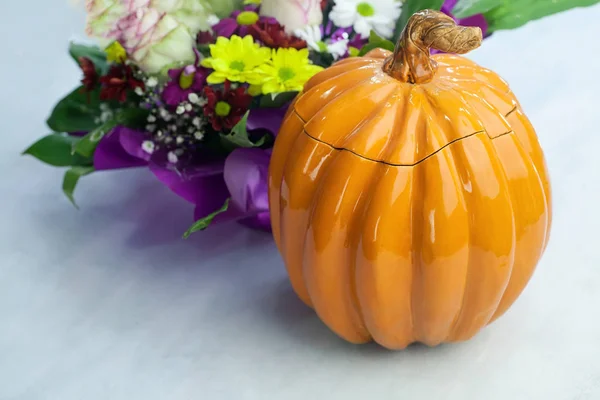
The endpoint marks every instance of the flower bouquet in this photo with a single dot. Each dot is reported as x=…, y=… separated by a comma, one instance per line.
x=195, y=90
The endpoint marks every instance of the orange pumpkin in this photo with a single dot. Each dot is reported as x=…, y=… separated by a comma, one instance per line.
x=409, y=195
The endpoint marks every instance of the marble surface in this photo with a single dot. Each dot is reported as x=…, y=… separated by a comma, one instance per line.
x=108, y=303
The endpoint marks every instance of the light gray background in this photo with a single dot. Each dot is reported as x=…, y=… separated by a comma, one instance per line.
x=108, y=303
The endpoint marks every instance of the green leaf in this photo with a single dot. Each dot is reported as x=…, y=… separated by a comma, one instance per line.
x=409, y=7
x=204, y=49
x=376, y=41
x=515, y=13
x=467, y=8
x=56, y=149
x=87, y=145
x=94, y=53
x=239, y=135
x=277, y=100
x=78, y=111
x=71, y=178
x=203, y=223
x=130, y=117
x=321, y=59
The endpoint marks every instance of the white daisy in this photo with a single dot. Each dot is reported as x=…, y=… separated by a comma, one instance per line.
x=313, y=37
x=367, y=15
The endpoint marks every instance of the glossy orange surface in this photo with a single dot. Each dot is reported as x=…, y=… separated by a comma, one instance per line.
x=408, y=212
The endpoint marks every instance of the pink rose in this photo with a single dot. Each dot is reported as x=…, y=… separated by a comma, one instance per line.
x=293, y=14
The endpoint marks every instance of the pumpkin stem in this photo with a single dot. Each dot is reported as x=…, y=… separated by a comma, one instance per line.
x=427, y=29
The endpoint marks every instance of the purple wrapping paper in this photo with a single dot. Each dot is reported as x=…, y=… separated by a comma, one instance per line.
x=242, y=176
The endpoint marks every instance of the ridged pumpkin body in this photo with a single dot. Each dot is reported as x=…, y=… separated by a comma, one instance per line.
x=408, y=212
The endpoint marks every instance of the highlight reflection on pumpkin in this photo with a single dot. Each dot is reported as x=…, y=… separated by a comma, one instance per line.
x=409, y=195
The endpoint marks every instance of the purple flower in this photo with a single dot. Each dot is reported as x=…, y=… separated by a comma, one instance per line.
x=357, y=42
x=330, y=31
x=184, y=81
x=336, y=34
x=239, y=22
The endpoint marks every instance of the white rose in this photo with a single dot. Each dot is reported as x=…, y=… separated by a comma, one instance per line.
x=192, y=13
x=155, y=33
x=154, y=40
x=102, y=17
x=293, y=14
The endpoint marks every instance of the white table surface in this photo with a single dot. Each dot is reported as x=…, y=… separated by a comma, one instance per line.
x=109, y=303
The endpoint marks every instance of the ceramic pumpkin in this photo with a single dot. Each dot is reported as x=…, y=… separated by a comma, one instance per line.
x=409, y=195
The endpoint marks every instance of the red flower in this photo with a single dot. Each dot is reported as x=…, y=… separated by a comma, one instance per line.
x=272, y=35
x=226, y=108
x=90, y=76
x=205, y=37
x=119, y=80
x=323, y=4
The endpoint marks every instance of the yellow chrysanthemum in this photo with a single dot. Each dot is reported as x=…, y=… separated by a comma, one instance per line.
x=236, y=60
x=288, y=70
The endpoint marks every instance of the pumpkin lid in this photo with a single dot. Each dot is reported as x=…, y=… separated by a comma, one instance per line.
x=400, y=108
